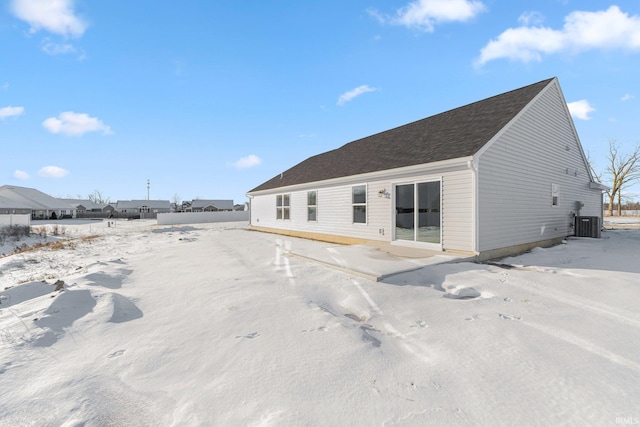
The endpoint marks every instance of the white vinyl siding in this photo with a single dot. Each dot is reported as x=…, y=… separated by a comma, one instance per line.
x=516, y=173
x=335, y=209
x=457, y=211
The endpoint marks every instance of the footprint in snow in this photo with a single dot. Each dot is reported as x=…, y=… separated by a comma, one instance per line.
x=117, y=353
x=419, y=324
x=250, y=336
x=320, y=329
x=509, y=317
x=358, y=319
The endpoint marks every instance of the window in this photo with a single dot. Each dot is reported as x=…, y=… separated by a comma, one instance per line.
x=555, y=194
x=282, y=206
x=312, y=205
x=359, y=202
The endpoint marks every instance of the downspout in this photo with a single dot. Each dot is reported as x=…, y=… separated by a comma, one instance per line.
x=250, y=200
x=473, y=167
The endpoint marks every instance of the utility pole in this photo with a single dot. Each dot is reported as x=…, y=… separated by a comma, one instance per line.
x=148, y=186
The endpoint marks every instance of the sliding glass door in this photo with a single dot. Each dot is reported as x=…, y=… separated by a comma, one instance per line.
x=417, y=212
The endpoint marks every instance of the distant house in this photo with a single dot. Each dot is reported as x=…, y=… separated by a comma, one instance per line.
x=241, y=207
x=185, y=206
x=42, y=205
x=491, y=178
x=85, y=208
x=202, y=205
x=142, y=208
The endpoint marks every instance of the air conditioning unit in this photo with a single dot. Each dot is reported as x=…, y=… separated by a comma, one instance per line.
x=587, y=226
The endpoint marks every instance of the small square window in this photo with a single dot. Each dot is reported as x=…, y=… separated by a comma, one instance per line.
x=360, y=214
x=359, y=194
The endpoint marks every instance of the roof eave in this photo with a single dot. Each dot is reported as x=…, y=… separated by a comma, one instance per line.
x=423, y=169
x=598, y=186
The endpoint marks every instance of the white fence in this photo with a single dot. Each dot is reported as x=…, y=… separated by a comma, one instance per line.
x=624, y=212
x=15, y=219
x=201, y=217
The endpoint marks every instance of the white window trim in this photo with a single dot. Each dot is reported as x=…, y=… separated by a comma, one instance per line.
x=416, y=181
x=365, y=204
x=555, y=194
x=312, y=206
x=283, y=207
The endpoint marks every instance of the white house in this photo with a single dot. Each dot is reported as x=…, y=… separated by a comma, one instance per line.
x=142, y=208
x=42, y=205
x=491, y=178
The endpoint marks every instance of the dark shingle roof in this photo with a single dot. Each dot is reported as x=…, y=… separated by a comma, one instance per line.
x=455, y=133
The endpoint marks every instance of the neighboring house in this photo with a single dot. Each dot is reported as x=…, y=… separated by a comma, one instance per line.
x=42, y=205
x=491, y=178
x=142, y=208
x=241, y=207
x=201, y=205
x=11, y=207
x=85, y=208
x=185, y=206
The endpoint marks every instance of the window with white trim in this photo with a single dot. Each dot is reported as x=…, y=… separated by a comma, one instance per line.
x=312, y=205
x=283, y=206
x=555, y=194
x=359, y=203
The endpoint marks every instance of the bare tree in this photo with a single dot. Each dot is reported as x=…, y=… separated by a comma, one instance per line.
x=176, y=200
x=98, y=198
x=623, y=169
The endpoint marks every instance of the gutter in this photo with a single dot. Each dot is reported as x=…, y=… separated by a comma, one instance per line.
x=598, y=186
x=424, y=168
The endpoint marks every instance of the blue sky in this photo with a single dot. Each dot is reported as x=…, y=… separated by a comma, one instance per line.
x=208, y=99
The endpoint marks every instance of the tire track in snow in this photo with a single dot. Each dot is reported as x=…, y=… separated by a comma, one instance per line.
x=626, y=317
x=584, y=344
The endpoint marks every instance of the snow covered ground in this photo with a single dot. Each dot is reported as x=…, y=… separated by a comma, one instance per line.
x=212, y=324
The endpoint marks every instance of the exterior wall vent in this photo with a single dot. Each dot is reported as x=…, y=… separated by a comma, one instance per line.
x=587, y=226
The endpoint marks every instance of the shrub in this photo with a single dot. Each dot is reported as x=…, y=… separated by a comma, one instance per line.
x=15, y=231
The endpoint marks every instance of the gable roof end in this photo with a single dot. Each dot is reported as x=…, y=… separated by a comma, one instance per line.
x=460, y=132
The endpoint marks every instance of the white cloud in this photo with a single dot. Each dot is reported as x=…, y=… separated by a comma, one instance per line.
x=22, y=175
x=348, y=96
x=247, y=162
x=580, y=109
x=425, y=14
x=10, y=112
x=52, y=172
x=531, y=18
x=57, y=48
x=55, y=16
x=5, y=86
x=627, y=97
x=70, y=123
x=608, y=29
